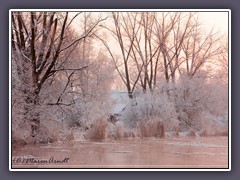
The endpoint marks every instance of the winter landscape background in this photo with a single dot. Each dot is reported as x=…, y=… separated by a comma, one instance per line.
x=118, y=78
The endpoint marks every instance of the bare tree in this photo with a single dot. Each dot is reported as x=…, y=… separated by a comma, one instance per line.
x=171, y=30
x=125, y=38
x=147, y=50
x=199, y=48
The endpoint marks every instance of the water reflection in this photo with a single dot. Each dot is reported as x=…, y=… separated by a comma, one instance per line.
x=184, y=152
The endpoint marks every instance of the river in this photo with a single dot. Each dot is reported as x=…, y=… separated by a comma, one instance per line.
x=181, y=152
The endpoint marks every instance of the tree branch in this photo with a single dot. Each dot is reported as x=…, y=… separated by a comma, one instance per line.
x=84, y=36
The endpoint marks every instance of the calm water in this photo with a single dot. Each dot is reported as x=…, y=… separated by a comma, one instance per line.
x=182, y=152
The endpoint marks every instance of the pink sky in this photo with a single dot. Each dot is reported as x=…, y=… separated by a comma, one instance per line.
x=217, y=19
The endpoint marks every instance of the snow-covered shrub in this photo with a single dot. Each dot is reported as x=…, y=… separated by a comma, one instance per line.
x=84, y=114
x=200, y=102
x=211, y=124
x=151, y=106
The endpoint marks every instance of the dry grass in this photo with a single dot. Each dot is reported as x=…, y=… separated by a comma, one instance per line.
x=97, y=132
x=18, y=143
x=222, y=132
x=191, y=133
x=129, y=134
x=118, y=133
x=142, y=129
x=115, y=132
x=70, y=137
x=55, y=134
x=175, y=131
x=203, y=133
x=151, y=129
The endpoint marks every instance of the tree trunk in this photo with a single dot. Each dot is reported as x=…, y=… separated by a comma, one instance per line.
x=35, y=119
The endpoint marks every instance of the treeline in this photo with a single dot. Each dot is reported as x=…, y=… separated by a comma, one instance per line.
x=61, y=75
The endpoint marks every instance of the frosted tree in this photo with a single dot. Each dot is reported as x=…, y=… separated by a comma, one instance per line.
x=39, y=49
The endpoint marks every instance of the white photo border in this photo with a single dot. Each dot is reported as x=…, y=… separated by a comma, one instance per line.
x=124, y=169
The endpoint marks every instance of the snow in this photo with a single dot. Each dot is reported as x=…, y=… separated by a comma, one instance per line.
x=118, y=108
x=119, y=99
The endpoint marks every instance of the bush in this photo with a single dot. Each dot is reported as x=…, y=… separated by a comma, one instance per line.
x=97, y=131
x=151, y=128
x=151, y=106
x=200, y=103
